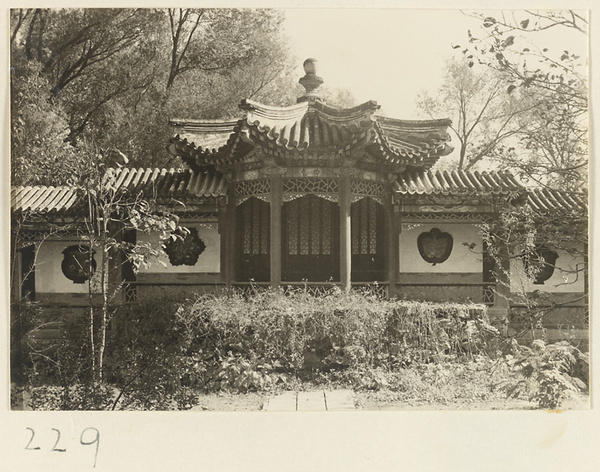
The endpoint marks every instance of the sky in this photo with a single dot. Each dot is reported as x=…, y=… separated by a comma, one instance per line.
x=385, y=54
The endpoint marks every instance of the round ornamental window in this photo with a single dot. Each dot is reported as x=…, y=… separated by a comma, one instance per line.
x=185, y=248
x=434, y=246
x=78, y=264
x=540, y=265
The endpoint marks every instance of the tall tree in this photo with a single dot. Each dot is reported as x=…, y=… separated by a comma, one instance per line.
x=39, y=130
x=113, y=75
x=484, y=116
x=521, y=45
x=552, y=146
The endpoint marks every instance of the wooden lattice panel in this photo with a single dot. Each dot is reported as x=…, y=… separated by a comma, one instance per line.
x=295, y=188
x=260, y=189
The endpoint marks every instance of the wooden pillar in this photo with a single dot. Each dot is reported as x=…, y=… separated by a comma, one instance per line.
x=224, y=238
x=275, y=235
x=392, y=242
x=230, y=250
x=345, y=233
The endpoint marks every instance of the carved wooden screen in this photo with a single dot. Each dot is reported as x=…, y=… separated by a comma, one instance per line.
x=368, y=263
x=310, y=240
x=253, y=229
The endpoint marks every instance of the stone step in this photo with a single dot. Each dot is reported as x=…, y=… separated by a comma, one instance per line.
x=318, y=400
x=311, y=401
x=339, y=400
x=285, y=401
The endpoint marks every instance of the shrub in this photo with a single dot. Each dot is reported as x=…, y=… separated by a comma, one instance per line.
x=160, y=353
x=243, y=342
x=58, y=367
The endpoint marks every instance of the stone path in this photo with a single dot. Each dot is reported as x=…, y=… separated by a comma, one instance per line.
x=320, y=400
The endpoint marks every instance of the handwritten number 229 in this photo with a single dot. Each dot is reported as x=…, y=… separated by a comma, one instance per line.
x=88, y=442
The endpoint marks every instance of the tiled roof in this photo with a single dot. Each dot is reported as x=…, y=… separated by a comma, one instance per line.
x=210, y=135
x=42, y=199
x=308, y=125
x=159, y=183
x=312, y=126
x=542, y=200
x=423, y=142
x=546, y=200
x=457, y=182
x=165, y=183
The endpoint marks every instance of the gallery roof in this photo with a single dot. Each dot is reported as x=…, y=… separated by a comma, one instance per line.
x=462, y=183
x=163, y=184
x=189, y=186
x=457, y=182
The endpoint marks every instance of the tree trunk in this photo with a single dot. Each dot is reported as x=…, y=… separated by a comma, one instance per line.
x=102, y=340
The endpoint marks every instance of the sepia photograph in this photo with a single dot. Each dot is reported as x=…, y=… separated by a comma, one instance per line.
x=298, y=210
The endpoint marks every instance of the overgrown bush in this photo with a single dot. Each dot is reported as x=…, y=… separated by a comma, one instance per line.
x=161, y=354
x=257, y=342
x=58, y=368
x=147, y=360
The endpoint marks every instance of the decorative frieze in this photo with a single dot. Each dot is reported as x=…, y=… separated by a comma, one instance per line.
x=260, y=189
x=446, y=217
x=295, y=188
x=364, y=188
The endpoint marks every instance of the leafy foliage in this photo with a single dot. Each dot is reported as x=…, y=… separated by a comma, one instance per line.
x=39, y=130
x=485, y=118
x=553, y=146
x=162, y=354
x=553, y=368
x=82, y=75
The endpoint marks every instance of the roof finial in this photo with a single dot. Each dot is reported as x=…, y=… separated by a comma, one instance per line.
x=311, y=82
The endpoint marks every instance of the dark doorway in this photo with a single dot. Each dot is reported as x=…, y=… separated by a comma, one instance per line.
x=254, y=235
x=310, y=240
x=28, y=273
x=368, y=262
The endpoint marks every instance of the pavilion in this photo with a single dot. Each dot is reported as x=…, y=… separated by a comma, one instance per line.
x=310, y=195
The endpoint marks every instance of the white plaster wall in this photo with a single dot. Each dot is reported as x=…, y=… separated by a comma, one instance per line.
x=461, y=260
x=49, y=277
x=209, y=261
x=561, y=281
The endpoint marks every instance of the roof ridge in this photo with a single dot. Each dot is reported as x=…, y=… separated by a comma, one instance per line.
x=435, y=122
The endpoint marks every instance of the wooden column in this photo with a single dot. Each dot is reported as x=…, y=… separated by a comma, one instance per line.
x=230, y=250
x=276, y=203
x=345, y=233
x=392, y=242
x=223, y=236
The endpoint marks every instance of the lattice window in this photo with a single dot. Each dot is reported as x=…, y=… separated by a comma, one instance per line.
x=303, y=209
x=309, y=227
x=364, y=227
x=295, y=188
x=255, y=228
x=253, y=188
x=293, y=230
x=326, y=229
x=373, y=231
